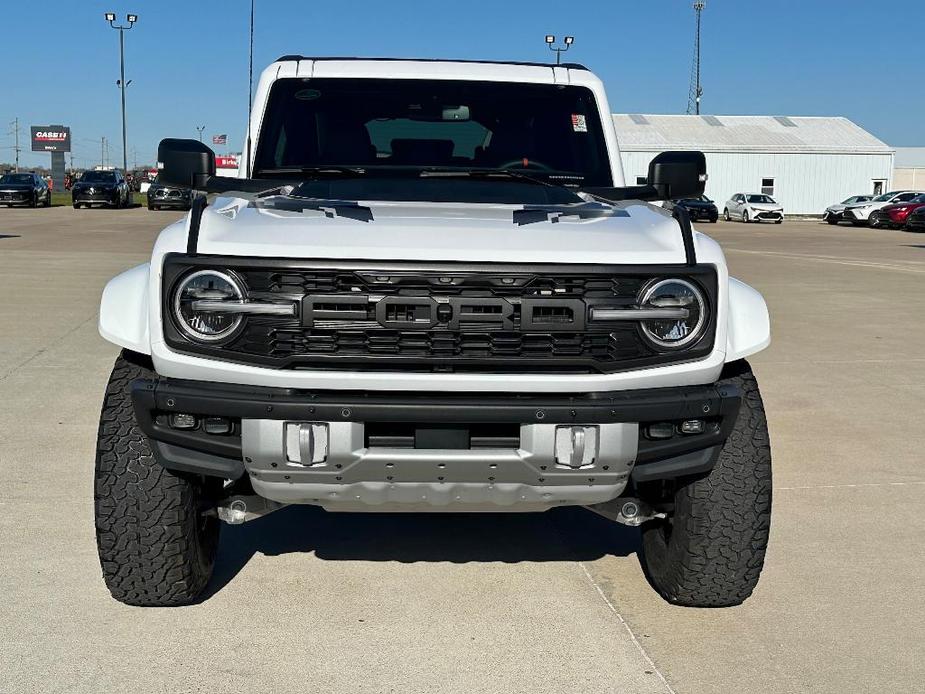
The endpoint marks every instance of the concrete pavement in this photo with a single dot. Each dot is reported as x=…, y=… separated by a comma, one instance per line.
x=309, y=601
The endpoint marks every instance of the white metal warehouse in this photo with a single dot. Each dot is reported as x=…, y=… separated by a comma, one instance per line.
x=806, y=163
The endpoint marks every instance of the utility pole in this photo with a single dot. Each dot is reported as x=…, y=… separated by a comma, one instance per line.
x=103, y=152
x=16, y=148
x=696, y=91
x=132, y=18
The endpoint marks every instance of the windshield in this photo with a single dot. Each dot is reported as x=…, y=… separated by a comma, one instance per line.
x=918, y=199
x=857, y=198
x=886, y=197
x=383, y=126
x=16, y=178
x=98, y=177
x=761, y=199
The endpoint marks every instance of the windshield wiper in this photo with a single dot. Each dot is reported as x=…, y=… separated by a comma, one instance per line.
x=487, y=173
x=314, y=171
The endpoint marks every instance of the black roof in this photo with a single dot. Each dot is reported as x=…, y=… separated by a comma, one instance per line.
x=571, y=66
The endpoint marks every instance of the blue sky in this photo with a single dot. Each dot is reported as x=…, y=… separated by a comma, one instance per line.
x=188, y=60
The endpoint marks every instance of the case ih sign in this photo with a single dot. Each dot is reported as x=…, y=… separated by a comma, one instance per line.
x=51, y=138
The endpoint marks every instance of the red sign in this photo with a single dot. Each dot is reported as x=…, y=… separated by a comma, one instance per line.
x=226, y=162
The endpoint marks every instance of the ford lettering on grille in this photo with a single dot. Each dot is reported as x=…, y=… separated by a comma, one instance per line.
x=455, y=313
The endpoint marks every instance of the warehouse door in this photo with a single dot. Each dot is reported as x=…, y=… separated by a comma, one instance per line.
x=879, y=186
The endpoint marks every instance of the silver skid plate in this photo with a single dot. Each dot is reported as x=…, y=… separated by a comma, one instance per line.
x=287, y=466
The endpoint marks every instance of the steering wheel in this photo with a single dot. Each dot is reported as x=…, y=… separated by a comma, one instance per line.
x=519, y=164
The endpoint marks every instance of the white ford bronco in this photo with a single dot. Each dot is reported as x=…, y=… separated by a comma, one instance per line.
x=429, y=289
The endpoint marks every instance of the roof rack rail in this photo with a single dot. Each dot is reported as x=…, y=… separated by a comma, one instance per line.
x=571, y=66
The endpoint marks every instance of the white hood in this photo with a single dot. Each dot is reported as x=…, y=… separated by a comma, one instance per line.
x=632, y=233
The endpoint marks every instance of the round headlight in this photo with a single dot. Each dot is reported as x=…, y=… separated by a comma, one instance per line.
x=206, y=285
x=672, y=333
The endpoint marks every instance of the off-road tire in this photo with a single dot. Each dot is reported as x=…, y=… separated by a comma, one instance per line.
x=156, y=546
x=710, y=553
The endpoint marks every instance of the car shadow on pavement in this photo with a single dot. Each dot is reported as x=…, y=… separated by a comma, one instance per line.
x=566, y=534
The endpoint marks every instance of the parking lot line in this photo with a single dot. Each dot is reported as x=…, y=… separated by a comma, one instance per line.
x=642, y=651
x=920, y=269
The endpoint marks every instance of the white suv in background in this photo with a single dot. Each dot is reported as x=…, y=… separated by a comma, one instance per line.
x=753, y=207
x=860, y=213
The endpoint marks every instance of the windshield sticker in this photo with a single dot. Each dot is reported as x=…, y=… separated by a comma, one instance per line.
x=579, y=123
x=348, y=209
x=532, y=214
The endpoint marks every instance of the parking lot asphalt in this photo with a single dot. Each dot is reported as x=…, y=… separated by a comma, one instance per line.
x=304, y=600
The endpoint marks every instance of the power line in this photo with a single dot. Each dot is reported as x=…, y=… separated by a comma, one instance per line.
x=695, y=91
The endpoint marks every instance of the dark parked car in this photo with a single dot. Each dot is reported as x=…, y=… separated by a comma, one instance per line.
x=916, y=220
x=161, y=195
x=24, y=189
x=895, y=216
x=101, y=188
x=697, y=208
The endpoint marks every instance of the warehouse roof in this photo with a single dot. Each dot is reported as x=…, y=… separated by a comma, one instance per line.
x=638, y=132
x=910, y=158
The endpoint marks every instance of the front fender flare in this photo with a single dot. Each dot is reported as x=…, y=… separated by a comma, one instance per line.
x=124, y=310
x=749, y=327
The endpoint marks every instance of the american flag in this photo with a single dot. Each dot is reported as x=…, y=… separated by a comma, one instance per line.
x=219, y=139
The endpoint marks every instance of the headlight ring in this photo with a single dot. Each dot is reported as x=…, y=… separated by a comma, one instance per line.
x=675, y=333
x=207, y=326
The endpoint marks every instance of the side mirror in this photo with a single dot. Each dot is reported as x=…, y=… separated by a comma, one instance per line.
x=185, y=163
x=678, y=175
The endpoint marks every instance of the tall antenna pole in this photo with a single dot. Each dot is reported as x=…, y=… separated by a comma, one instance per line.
x=250, y=91
x=16, y=147
x=696, y=91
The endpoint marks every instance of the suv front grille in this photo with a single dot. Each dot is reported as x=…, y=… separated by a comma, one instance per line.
x=447, y=317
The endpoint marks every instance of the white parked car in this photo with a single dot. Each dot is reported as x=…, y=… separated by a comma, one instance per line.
x=753, y=207
x=434, y=292
x=859, y=213
x=833, y=213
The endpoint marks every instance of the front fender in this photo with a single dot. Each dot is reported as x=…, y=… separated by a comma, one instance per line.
x=124, y=310
x=749, y=328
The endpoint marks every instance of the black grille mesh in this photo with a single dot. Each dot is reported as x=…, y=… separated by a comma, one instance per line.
x=542, y=326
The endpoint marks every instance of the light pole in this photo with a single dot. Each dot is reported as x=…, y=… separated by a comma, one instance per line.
x=200, y=128
x=551, y=40
x=131, y=18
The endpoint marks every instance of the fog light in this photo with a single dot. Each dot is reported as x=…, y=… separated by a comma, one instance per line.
x=217, y=425
x=183, y=421
x=692, y=426
x=662, y=430
x=576, y=446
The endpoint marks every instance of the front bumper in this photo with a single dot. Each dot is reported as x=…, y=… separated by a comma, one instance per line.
x=856, y=215
x=697, y=214
x=101, y=198
x=16, y=197
x=414, y=451
x=768, y=216
x=180, y=201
